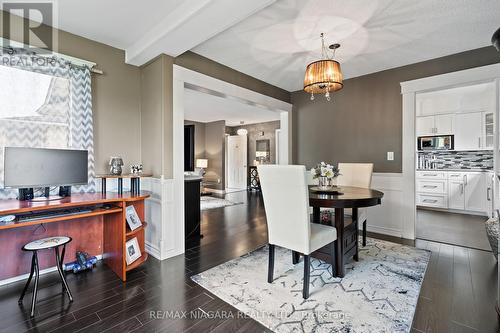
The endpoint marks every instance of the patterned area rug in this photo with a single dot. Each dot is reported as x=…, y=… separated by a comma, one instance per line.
x=378, y=294
x=208, y=202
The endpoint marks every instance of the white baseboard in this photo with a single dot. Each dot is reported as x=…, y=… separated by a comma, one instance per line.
x=42, y=272
x=383, y=230
x=152, y=250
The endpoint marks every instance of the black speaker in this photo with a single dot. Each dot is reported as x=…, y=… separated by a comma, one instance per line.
x=26, y=194
x=64, y=191
x=495, y=40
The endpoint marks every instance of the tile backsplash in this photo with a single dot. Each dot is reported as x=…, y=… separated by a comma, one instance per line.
x=480, y=159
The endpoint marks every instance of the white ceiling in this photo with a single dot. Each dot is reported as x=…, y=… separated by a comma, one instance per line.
x=203, y=107
x=145, y=29
x=277, y=43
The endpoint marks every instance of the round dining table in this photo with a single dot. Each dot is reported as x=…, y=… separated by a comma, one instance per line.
x=347, y=236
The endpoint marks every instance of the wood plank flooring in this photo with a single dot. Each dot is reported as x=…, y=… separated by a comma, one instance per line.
x=458, y=293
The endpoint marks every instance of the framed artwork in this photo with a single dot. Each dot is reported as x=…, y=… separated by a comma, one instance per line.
x=133, y=219
x=133, y=252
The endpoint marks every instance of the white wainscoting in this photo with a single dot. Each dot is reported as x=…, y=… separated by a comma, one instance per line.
x=164, y=237
x=387, y=218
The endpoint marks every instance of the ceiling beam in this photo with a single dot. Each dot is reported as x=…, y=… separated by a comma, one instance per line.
x=190, y=24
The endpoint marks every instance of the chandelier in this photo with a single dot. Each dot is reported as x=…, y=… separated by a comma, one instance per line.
x=324, y=76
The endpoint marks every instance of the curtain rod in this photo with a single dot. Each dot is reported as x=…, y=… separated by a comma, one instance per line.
x=74, y=60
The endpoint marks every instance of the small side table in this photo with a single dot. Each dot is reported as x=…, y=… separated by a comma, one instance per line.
x=253, y=179
x=135, y=181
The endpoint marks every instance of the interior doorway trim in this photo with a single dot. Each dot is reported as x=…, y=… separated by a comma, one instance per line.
x=409, y=90
x=185, y=78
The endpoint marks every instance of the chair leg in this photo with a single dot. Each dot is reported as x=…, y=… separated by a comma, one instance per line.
x=29, y=279
x=295, y=257
x=364, y=233
x=35, y=288
x=61, y=274
x=307, y=273
x=271, y=264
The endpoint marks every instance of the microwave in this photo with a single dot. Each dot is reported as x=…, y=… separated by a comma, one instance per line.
x=438, y=142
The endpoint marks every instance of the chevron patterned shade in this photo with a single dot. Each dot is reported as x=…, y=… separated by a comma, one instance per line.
x=64, y=119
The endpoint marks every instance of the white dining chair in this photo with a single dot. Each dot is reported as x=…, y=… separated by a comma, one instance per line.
x=286, y=201
x=357, y=175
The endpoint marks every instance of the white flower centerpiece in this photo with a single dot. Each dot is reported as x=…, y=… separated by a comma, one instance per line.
x=325, y=173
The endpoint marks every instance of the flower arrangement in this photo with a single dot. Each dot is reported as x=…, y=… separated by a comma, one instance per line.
x=325, y=170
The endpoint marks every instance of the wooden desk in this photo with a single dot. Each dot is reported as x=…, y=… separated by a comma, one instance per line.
x=102, y=231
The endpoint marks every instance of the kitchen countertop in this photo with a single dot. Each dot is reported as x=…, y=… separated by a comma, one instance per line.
x=458, y=170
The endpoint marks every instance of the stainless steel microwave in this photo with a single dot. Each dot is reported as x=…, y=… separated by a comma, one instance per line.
x=439, y=142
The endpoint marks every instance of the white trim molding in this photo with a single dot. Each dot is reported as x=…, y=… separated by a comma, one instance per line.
x=409, y=91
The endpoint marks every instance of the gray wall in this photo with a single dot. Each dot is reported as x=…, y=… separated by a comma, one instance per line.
x=215, y=152
x=115, y=98
x=364, y=120
x=199, y=138
x=269, y=129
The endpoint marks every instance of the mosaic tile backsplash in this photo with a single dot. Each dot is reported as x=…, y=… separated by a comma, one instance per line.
x=481, y=159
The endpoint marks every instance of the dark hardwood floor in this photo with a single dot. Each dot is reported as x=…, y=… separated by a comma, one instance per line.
x=458, y=293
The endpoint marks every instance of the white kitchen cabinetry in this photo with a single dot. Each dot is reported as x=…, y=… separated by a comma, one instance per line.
x=468, y=131
x=435, y=125
x=464, y=191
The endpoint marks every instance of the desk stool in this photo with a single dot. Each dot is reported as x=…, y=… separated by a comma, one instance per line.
x=45, y=244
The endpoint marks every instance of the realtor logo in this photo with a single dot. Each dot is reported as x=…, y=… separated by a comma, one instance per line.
x=30, y=23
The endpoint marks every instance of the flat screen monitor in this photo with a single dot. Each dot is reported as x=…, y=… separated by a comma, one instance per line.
x=41, y=167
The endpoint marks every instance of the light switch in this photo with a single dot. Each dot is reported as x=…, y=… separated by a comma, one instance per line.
x=390, y=156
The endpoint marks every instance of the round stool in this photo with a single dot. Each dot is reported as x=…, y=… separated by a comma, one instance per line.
x=45, y=244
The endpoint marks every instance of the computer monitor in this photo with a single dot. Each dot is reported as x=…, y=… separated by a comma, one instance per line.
x=42, y=167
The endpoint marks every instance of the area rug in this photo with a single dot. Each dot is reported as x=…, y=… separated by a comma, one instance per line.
x=379, y=293
x=208, y=202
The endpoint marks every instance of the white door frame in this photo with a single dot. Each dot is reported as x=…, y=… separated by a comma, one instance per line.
x=183, y=77
x=409, y=89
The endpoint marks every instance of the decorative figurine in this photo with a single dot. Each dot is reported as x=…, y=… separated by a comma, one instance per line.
x=136, y=168
x=115, y=165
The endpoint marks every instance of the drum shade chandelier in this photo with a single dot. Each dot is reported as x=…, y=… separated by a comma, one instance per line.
x=324, y=76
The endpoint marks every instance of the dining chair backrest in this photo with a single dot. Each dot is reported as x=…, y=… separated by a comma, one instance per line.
x=286, y=201
x=355, y=174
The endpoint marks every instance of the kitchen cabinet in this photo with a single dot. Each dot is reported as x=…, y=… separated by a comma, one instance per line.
x=475, y=192
x=435, y=125
x=464, y=191
x=489, y=130
x=468, y=131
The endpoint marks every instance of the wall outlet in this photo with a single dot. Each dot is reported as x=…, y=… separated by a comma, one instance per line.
x=390, y=156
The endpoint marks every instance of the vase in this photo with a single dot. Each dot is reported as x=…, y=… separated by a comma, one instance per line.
x=324, y=182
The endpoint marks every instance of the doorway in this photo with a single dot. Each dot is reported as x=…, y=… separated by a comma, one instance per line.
x=236, y=161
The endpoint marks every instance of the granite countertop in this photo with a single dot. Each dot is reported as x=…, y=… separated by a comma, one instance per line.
x=192, y=178
x=459, y=170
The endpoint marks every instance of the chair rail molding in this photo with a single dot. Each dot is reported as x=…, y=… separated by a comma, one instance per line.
x=409, y=91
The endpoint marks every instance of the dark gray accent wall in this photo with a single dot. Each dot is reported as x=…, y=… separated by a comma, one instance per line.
x=364, y=120
x=254, y=133
x=199, y=138
x=214, y=69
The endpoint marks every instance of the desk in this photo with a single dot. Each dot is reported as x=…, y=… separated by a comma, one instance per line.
x=347, y=239
x=103, y=231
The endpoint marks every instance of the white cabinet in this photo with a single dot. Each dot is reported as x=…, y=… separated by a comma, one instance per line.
x=465, y=191
x=456, y=192
x=489, y=130
x=435, y=125
x=468, y=131
x=475, y=192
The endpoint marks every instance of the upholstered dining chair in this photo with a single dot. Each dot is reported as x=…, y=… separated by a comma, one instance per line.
x=357, y=175
x=286, y=202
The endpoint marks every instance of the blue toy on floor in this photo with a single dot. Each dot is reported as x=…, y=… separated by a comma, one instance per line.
x=82, y=263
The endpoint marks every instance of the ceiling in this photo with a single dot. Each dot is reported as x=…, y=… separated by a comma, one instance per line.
x=203, y=107
x=277, y=43
x=148, y=28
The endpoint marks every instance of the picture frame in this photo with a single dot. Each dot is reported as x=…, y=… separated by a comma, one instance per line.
x=133, y=251
x=133, y=219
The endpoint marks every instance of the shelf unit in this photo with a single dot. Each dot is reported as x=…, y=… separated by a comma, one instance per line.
x=138, y=233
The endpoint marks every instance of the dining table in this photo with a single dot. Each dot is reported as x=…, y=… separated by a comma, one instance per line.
x=347, y=244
